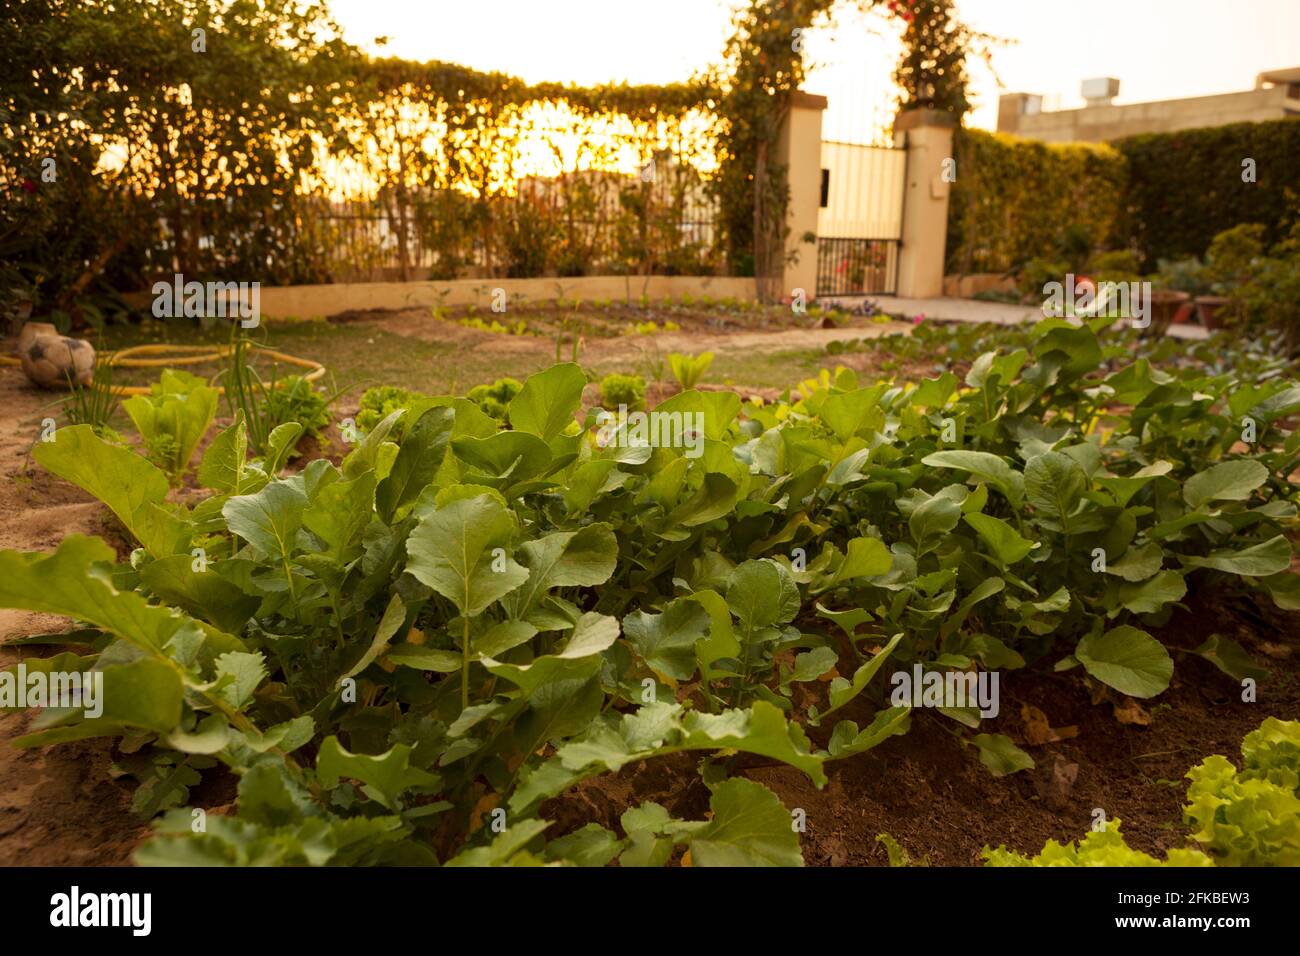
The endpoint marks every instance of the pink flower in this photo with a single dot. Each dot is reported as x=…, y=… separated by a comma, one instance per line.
x=918, y=319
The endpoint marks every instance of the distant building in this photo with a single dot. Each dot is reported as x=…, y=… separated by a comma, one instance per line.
x=1276, y=95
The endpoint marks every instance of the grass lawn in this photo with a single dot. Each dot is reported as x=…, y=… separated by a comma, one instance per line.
x=366, y=354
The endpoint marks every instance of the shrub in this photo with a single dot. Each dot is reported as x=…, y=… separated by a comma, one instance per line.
x=616, y=390
x=1038, y=272
x=1015, y=200
x=1184, y=188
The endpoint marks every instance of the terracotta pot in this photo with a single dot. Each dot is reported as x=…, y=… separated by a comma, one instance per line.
x=1164, y=306
x=1208, y=308
x=1184, y=313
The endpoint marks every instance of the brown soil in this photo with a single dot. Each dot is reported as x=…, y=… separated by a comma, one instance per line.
x=58, y=805
x=931, y=793
x=608, y=341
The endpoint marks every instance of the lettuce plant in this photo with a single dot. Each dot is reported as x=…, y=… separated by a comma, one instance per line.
x=173, y=419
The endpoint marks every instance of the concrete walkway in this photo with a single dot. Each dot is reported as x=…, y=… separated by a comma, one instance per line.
x=975, y=310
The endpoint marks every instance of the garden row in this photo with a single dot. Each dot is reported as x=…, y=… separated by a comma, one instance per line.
x=403, y=655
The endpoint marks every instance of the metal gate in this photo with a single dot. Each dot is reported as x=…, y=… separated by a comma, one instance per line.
x=860, y=222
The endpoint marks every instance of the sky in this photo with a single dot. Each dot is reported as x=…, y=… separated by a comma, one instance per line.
x=1159, y=49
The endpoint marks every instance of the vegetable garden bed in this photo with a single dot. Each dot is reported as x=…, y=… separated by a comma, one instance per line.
x=485, y=641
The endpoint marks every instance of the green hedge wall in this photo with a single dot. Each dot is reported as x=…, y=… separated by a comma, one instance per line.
x=1164, y=195
x=1186, y=187
x=1014, y=199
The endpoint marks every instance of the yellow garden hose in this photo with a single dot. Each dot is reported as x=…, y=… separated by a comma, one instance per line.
x=171, y=356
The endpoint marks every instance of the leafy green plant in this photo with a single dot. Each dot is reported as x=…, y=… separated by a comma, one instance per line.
x=495, y=327
x=616, y=390
x=294, y=399
x=463, y=617
x=689, y=369
x=495, y=398
x=173, y=419
x=379, y=402
x=1250, y=817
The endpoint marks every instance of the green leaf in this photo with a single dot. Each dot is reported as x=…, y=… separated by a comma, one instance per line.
x=721, y=642
x=582, y=558
x=864, y=558
x=238, y=676
x=1153, y=594
x=843, y=691
x=504, y=458
x=1007, y=546
x=279, y=444
x=846, y=740
x=386, y=776
x=988, y=468
x=578, y=661
x=129, y=486
x=1257, y=561
x=715, y=499
x=590, y=845
x=1226, y=481
x=451, y=550
x=204, y=594
x=222, y=466
x=394, y=617
x=545, y=406
x=1229, y=656
x=763, y=593
x=933, y=517
x=418, y=458
x=74, y=581
x=847, y=412
x=1000, y=755
x=338, y=514
x=268, y=520
x=501, y=637
x=666, y=642
x=1127, y=659
x=506, y=849
x=1054, y=483
x=1125, y=488
x=425, y=658
x=750, y=827
x=178, y=410
x=659, y=729
x=1138, y=564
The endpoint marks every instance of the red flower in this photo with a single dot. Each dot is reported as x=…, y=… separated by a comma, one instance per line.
x=29, y=185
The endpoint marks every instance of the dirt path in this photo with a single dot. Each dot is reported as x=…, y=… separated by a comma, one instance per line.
x=417, y=324
x=58, y=805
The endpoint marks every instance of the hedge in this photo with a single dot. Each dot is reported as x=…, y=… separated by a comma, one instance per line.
x=1164, y=195
x=1185, y=187
x=1016, y=199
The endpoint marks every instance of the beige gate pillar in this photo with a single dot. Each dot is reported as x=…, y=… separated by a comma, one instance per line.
x=927, y=135
x=799, y=149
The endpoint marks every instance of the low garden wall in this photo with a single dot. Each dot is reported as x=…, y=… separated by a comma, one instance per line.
x=313, y=301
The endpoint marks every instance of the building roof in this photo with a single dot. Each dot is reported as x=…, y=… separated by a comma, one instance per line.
x=1290, y=75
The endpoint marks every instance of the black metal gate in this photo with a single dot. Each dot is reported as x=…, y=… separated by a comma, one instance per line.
x=860, y=224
